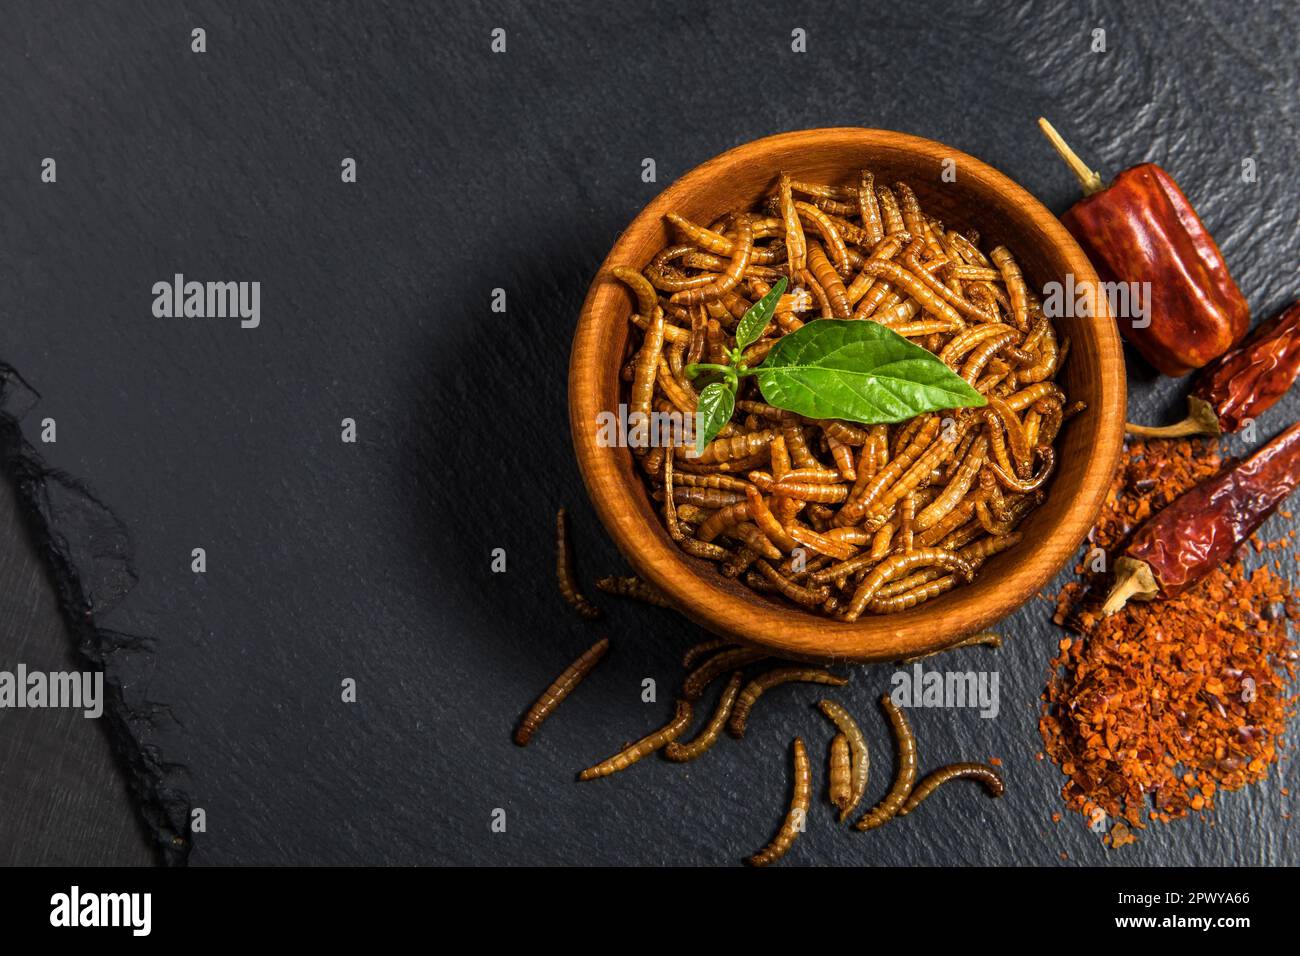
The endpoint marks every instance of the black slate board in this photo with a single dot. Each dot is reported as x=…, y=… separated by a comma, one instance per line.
x=517, y=170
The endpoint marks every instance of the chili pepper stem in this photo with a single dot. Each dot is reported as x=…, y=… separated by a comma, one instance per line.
x=1133, y=579
x=1089, y=179
x=1201, y=420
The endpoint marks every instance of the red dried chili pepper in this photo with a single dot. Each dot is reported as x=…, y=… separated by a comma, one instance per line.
x=1142, y=229
x=1198, y=530
x=1243, y=383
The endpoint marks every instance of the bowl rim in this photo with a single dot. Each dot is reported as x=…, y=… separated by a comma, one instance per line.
x=790, y=631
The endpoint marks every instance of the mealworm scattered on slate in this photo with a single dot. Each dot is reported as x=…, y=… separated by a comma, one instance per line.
x=564, y=572
x=633, y=587
x=859, y=752
x=986, y=775
x=560, y=688
x=680, y=753
x=696, y=651
x=717, y=665
x=985, y=638
x=773, y=678
x=905, y=776
x=643, y=747
x=841, y=786
x=796, y=818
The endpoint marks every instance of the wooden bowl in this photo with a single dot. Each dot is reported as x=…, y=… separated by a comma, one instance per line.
x=1088, y=448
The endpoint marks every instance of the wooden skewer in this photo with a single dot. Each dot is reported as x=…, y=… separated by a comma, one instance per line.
x=1089, y=178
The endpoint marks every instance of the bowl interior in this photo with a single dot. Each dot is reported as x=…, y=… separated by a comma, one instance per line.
x=957, y=189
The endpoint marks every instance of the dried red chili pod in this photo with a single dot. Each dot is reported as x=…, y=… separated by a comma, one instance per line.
x=1198, y=530
x=1141, y=228
x=1241, y=384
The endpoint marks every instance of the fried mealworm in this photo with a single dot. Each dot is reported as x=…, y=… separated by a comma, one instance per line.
x=814, y=476
x=835, y=247
x=560, y=688
x=711, y=498
x=861, y=754
x=1022, y=399
x=866, y=492
x=670, y=505
x=646, y=364
x=722, y=520
x=869, y=207
x=632, y=587
x=699, y=328
x=983, y=352
x=1015, y=284
x=702, y=549
x=682, y=752
x=986, y=775
x=766, y=521
x=810, y=491
x=717, y=665
x=906, y=517
x=564, y=572
x=899, y=277
x=730, y=449
x=906, y=434
x=720, y=482
x=755, y=540
x=774, y=678
x=845, y=194
x=830, y=282
x=899, y=564
x=1053, y=415
x=841, y=571
x=905, y=775
x=646, y=745
x=919, y=475
x=972, y=273
x=796, y=818
x=890, y=214
x=982, y=639
x=957, y=488
x=1012, y=483
x=1050, y=358
x=808, y=597
x=923, y=271
x=845, y=434
x=841, y=788
x=796, y=249
x=821, y=543
x=697, y=236
x=1022, y=453
x=957, y=347
x=910, y=599
x=881, y=542
x=743, y=247
x=682, y=397
x=696, y=651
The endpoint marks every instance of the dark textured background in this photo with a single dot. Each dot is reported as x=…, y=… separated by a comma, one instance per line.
x=517, y=171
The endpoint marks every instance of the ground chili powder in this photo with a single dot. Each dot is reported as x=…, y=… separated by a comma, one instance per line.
x=1152, y=712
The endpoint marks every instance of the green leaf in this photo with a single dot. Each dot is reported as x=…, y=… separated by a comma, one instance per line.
x=714, y=409
x=754, y=322
x=859, y=371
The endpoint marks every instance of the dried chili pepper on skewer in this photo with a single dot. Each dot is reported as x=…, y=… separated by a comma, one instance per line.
x=1240, y=384
x=1141, y=228
x=1202, y=527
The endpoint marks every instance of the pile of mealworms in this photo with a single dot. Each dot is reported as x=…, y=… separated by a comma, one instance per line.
x=834, y=516
x=849, y=757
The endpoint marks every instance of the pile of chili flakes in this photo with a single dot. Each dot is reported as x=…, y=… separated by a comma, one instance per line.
x=1153, y=711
